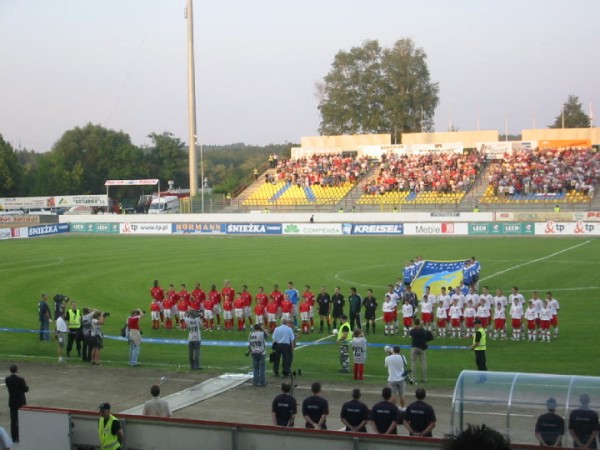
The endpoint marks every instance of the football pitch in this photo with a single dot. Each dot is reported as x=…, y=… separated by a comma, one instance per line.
x=115, y=273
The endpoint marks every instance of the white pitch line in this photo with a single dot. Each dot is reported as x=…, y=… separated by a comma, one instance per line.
x=535, y=260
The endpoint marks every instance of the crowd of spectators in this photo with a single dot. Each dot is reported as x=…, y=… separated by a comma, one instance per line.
x=547, y=171
x=324, y=170
x=431, y=172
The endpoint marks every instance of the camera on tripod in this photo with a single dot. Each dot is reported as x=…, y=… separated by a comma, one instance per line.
x=408, y=378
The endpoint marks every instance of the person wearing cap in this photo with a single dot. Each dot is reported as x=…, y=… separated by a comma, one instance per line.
x=583, y=424
x=479, y=346
x=109, y=429
x=550, y=427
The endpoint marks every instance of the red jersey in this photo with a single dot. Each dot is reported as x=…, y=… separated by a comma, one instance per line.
x=194, y=303
x=238, y=303
x=155, y=306
x=169, y=302
x=287, y=306
x=173, y=296
x=184, y=295
x=259, y=310
x=272, y=308
x=199, y=294
x=157, y=293
x=277, y=296
x=228, y=291
x=304, y=307
x=227, y=306
x=182, y=305
x=310, y=298
x=262, y=299
x=246, y=297
x=215, y=297
x=208, y=304
x=133, y=322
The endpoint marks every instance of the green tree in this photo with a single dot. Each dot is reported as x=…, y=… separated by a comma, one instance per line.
x=571, y=115
x=371, y=89
x=11, y=171
x=167, y=159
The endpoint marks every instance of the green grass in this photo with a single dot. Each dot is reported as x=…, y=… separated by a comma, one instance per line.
x=115, y=273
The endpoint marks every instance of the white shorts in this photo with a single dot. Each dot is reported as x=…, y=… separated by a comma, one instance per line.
x=155, y=315
x=259, y=319
x=272, y=317
x=174, y=311
x=304, y=316
x=239, y=313
x=182, y=315
x=247, y=311
x=168, y=314
x=217, y=309
x=208, y=314
x=311, y=312
x=286, y=316
x=227, y=315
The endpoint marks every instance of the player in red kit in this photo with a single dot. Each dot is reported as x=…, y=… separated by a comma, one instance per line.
x=287, y=307
x=262, y=299
x=158, y=294
x=304, y=309
x=238, y=309
x=247, y=297
x=155, y=314
x=227, y=290
x=199, y=294
x=259, y=313
x=169, y=303
x=184, y=296
x=215, y=299
x=272, y=314
x=208, y=314
x=277, y=296
x=227, y=313
x=310, y=299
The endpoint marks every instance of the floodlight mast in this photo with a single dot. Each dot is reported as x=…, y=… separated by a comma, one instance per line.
x=193, y=164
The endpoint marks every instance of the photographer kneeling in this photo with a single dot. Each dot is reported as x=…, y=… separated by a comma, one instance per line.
x=134, y=335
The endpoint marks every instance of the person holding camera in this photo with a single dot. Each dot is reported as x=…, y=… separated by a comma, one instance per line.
x=192, y=323
x=257, y=348
x=86, y=332
x=96, y=336
x=134, y=335
x=396, y=365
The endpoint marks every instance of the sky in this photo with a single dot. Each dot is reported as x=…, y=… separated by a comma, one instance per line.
x=122, y=64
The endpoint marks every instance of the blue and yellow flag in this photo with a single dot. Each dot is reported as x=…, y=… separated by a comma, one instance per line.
x=438, y=274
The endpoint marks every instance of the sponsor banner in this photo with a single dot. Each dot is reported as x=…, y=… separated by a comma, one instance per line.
x=61, y=201
x=589, y=216
x=438, y=274
x=148, y=182
x=447, y=147
x=45, y=230
x=501, y=228
x=5, y=233
x=144, y=228
x=20, y=219
x=253, y=228
x=19, y=233
x=443, y=228
x=497, y=149
x=576, y=144
x=315, y=229
x=580, y=228
x=199, y=228
x=372, y=228
x=445, y=214
x=112, y=228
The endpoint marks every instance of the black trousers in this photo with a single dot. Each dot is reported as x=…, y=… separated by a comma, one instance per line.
x=86, y=348
x=283, y=353
x=14, y=423
x=74, y=336
x=355, y=318
x=480, y=360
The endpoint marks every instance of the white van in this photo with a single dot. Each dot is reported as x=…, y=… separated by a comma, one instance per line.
x=168, y=204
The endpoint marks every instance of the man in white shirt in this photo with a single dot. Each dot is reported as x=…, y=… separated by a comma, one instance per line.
x=61, y=334
x=396, y=365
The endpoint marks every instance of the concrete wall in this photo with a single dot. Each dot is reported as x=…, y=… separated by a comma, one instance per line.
x=554, y=134
x=345, y=141
x=469, y=139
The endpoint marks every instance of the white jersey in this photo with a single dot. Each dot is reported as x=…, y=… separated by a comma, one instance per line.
x=455, y=312
x=499, y=313
x=545, y=314
x=538, y=303
x=554, y=306
x=387, y=307
x=393, y=298
x=499, y=299
x=461, y=299
x=407, y=310
x=359, y=350
x=445, y=299
x=426, y=307
x=430, y=297
x=516, y=312
x=469, y=312
x=519, y=297
x=441, y=313
x=482, y=311
x=531, y=314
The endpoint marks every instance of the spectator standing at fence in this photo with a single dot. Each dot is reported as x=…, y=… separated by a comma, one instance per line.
x=583, y=424
x=284, y=407
x=156, y=406
x=419, y=418
x=355, y=414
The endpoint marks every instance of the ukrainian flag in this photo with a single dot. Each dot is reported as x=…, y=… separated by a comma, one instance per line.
x=438, y=274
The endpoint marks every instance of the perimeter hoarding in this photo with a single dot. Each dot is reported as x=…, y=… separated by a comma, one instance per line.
x=373, y=229
x=567, y=229
x=59, y=201
x=144, y=228
x=96, y=228
x=432, y=229
x=487, y=229
x=199, y=228
x=313, y=229
x=253, y=228
x=46, y=230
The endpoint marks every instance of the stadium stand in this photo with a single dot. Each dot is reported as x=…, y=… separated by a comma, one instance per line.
x=560, y=175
